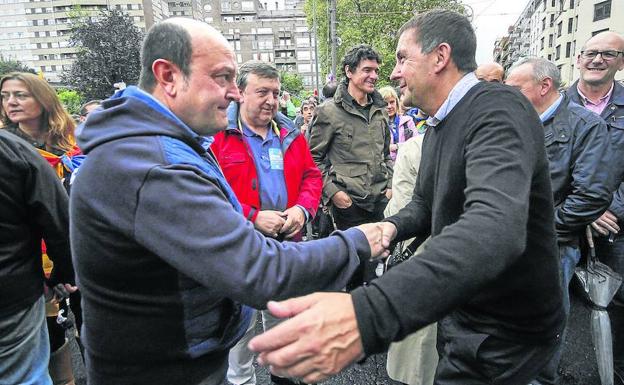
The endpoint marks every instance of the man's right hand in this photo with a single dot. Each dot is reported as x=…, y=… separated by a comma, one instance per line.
x=374, y=235
x=342, y=200
x=606, y=223
x=270, y=222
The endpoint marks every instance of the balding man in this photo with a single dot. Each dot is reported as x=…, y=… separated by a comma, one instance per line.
x=490, y=72
x=164, y=256
x=577, y=145
x=599, y=60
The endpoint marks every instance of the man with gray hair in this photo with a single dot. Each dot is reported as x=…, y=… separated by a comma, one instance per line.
x=267, y=162
x=489, y=271
x=578, y=150
x=167, y=264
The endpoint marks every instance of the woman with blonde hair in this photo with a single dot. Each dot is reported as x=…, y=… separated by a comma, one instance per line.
x=32, y=110
x=401, y=127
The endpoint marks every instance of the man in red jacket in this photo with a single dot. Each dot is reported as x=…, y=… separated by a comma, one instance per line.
x=269, y=166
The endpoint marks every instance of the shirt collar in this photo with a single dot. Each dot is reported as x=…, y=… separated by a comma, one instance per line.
x=457, y=93
x=586, y=100
x=550, y=111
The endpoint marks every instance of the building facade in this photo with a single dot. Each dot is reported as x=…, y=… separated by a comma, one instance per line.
x=557, y=30
x=36, y=33
x=267, y=30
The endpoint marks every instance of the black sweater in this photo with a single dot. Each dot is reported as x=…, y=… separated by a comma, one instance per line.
x=33, y=206
x=483, y=193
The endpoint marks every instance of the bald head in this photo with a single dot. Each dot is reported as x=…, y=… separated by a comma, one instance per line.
x=490, y=72
x=176, y=40
x=597, y=71
x=608, y=38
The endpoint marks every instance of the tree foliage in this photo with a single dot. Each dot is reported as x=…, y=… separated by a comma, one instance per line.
x=8, y=65
x=291, y=82
x=70, y=99
x=109, y=48
x=372, y=22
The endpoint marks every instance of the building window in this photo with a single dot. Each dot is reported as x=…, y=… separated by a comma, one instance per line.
x=576, y=23
x=549, y=57
x=552, y=20
x=225, y=5
x=557, y=52
x=559, y=28
x=568, y=49
x=570, y=25
x=544, y=23
x=561, y=5
x=550, y=40
x=303, y=55
x=552, y=3
x=602, y=10
x=247, y=6
x=571, y=4
x=542, y=43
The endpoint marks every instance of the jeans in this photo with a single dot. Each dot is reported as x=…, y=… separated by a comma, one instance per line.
x=24, y=347
x=569, y=257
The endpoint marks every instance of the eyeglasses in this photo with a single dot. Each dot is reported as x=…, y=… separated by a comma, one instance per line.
x=21, y=96
x=606, y=55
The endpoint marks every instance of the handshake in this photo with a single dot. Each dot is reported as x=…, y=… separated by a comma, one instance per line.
x=379, y=236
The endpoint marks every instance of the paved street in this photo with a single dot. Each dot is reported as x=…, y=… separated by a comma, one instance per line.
x=578, y=365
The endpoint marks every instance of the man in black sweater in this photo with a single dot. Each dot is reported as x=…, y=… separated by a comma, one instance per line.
x=488, y=274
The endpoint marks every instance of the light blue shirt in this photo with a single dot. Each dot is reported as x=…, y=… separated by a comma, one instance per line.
x=550, y=111
x=269, y=161
x=457, y=93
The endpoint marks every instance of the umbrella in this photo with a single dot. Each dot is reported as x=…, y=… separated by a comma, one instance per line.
x=600, y=285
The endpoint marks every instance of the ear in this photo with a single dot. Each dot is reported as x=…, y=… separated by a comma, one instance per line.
x=578, y=61
x=348, y=72
x=168, y=76
x=545, y=86
x=441, y=57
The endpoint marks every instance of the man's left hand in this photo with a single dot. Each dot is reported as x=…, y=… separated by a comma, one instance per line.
x=321, y=340
x=294, y=221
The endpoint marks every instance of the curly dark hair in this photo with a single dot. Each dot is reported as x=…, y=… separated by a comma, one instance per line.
x=355, y=55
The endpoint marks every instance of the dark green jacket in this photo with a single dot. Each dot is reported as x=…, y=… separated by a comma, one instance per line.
x=352, y=149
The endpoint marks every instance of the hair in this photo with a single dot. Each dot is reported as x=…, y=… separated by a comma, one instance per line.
x=83, y=108
x=258, y=68
x=540, y=69
x=442, y=26
x=388, y=92
x=355, y=55
x=167, y=41
x=307, y=102
x=329, y=89
x=56, y=121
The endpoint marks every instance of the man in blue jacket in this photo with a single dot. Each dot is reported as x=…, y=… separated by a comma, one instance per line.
x=161, y=249
x=578, y=150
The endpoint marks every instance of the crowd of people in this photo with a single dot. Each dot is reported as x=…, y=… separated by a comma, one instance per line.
x=180, y=210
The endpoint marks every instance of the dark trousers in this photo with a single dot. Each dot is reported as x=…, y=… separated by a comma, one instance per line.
x=468, y=357
x=354, y=216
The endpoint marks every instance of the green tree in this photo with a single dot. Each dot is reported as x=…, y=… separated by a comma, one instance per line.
x=8, y=65
x=372, y=22
x=108, y=52
x=71, y=99
x=291, y=82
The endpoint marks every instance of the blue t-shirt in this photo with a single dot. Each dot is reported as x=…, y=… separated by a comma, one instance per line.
x=269, y=161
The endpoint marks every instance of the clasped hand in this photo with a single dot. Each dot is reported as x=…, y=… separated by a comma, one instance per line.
x=288, y=222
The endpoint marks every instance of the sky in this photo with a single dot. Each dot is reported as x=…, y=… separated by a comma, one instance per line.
x=491, y=20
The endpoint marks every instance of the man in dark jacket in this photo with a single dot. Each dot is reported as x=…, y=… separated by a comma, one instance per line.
x=489, y=272
x=601, y=58
x=267, y=162
x=350, y=142
x=161, y=247
x=578, y=149
x=33, y=206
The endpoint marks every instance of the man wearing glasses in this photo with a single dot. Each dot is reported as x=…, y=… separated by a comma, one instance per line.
x=601, y=58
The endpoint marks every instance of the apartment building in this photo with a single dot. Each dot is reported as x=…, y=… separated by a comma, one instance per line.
x=36, y=32
x=557, y=30
x=268, y=30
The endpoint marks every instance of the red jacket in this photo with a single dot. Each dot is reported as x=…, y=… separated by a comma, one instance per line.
x=303, y=179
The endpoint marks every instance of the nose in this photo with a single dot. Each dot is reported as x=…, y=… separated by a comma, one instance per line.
x=596, y=60
x=395, y=72
x=233, y=93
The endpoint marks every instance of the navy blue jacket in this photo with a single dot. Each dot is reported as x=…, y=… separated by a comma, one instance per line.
x=163, y=256
x=578, y=150
x=613, y=114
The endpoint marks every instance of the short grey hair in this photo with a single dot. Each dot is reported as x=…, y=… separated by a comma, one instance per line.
x=258, y=68
x=541, y=69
